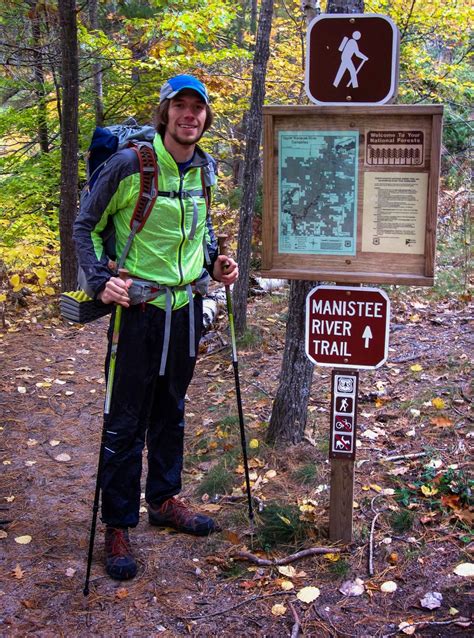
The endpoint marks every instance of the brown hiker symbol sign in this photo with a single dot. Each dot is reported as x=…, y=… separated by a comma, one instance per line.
x=350, y=50
x=352, y=59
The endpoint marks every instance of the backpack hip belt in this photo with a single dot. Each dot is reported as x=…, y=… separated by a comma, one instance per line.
x=142, y=291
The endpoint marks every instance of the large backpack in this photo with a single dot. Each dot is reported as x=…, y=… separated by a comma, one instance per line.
x=79, y=306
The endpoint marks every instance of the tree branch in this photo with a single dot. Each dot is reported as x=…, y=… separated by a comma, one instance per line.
x=265, y=562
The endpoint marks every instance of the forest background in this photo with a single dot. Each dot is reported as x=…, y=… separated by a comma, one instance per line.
x=127, y=49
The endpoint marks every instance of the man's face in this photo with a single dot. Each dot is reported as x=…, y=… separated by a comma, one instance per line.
x=186, y=118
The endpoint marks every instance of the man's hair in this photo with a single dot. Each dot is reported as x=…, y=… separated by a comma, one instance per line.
x=160, y=119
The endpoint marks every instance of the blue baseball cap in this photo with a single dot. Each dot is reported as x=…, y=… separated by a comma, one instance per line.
x=173, y=86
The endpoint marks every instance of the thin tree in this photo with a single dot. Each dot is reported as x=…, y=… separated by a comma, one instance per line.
x=96, y=69
x=38, y=74
x=69, y=140
x=290, y=407
x=251, y=172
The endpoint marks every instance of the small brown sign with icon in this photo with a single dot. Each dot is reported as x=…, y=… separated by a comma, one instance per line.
x=343, y=414
x=352, y=59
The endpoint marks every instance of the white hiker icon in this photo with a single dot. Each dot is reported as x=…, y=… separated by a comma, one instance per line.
x=349, y=49
x=344, y=405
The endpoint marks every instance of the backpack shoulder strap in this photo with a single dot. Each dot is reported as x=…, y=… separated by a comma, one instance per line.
x=206, y=191
x=148, y=184
x=147, y=195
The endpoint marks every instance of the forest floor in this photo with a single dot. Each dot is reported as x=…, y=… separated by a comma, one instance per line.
x=412, y=516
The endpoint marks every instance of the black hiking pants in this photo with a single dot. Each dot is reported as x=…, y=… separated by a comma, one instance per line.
x=147, y=407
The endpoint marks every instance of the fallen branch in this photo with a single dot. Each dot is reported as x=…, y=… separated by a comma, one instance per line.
x=297, y=626
x=461, y=621
x=371, y=544
x=207, y=614
x=399, y=457
x=266, y=562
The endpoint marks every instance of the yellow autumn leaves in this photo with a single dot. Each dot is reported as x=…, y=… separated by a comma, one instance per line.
x=41, y=277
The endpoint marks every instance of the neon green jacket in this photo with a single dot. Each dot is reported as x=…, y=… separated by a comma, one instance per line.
x=171, y=247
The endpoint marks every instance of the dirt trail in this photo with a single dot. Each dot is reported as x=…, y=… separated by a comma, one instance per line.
x=51, y=398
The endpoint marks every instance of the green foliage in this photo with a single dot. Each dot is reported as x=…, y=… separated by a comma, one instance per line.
x=251, y=338
x=218, y=480
x=280, y=524
x=401, y=521
x=307, y=474
x=139, y=44
x=340, y=568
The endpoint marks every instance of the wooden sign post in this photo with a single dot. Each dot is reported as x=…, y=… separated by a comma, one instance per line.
x=346, y=327
x=342, y=449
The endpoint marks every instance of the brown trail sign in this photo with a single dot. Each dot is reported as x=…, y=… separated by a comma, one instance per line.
x=347, y=327
x=351, y=59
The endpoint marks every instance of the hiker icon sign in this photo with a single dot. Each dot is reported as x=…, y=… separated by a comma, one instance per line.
x=352, y=59
x=350, y=50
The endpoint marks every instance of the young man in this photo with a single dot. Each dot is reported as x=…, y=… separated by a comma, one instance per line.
x=159, y=336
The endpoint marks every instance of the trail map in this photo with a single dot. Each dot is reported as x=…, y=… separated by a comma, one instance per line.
x=318, y=192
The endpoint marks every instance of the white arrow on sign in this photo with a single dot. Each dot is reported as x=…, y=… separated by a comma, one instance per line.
x=367, y=336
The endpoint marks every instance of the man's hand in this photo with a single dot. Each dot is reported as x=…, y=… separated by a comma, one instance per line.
x=116, y=291
x=225, y=270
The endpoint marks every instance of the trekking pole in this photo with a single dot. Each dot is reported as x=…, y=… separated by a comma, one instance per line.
x=123, y=274
x=222, y=250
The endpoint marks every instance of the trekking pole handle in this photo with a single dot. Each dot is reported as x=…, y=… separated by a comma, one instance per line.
x=124, y=274
x=222, y=243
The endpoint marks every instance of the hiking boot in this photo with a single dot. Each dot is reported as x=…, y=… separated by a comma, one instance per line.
x=119, y=561
x=175, y=514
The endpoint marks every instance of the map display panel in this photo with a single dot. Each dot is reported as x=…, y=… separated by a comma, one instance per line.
x=317, y=186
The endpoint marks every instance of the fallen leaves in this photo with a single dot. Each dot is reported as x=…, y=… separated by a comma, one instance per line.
x=23, y=540
x=63, y=458
x=407, y=628
x=287, y=570
x=426, y=490
x=441, y=421
x=278, y=610
x=308, y=594
x=18, y=572
x=352, y=588
x=464, y=569
x=416, y=368
x=388, y=587
x=431, y=600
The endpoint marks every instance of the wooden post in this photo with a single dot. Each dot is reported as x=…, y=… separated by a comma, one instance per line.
x=341, y=500
x=342, y=448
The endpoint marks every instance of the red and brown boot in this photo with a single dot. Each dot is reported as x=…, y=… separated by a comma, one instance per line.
x=119, y=561
x=175, y=514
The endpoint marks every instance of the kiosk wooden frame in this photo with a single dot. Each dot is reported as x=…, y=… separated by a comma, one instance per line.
x=364, y=266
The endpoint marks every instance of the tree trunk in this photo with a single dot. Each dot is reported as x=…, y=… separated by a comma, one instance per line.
x=253, y=16
x=97, y=70
x=251, y=172
x=345, y=6
x=38, y=75
x=290, y=408
x=69, y=140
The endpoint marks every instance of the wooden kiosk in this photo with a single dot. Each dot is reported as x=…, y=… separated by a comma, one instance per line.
x=362, y=205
